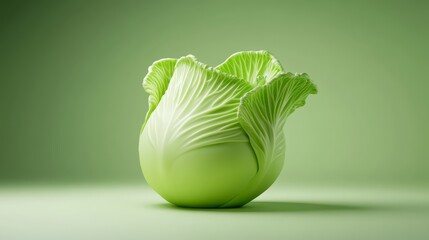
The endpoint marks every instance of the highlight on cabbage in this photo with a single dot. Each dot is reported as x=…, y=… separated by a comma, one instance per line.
x=213, y=137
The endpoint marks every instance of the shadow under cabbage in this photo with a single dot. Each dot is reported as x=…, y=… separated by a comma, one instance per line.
x=279, y=206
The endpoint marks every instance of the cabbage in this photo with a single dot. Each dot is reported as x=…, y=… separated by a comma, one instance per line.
x=213, y=137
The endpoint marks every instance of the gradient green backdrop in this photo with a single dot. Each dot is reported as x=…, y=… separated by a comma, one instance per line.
x=72, y=103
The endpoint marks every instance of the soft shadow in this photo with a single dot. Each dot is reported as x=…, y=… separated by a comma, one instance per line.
x=278, y=206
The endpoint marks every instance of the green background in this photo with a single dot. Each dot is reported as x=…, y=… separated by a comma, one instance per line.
x=72, y=106
x=72, y=103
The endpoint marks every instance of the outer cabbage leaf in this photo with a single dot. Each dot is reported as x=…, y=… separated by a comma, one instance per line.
x=199, y=107
x=193, y=149
x=156, y=82
x=262, y=114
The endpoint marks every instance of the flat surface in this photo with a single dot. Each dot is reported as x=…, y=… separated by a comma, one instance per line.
x=136, y=212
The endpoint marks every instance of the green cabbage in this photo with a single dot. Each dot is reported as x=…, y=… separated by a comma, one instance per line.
x=213, y=137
